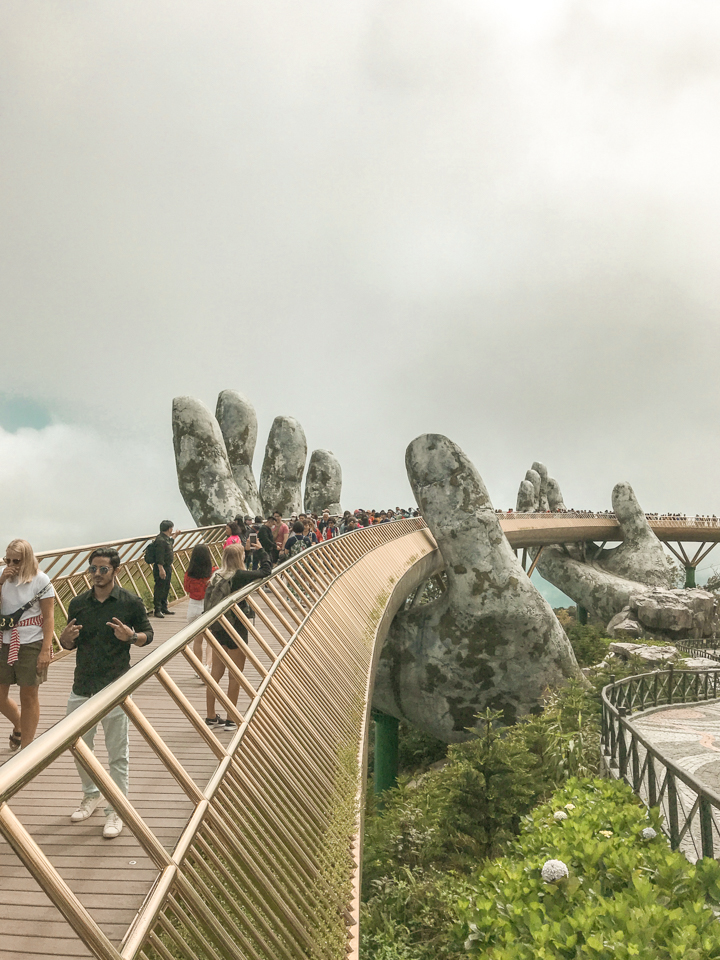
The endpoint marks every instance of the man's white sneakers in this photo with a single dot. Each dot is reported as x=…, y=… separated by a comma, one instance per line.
x=113, y=826
x=86, y=809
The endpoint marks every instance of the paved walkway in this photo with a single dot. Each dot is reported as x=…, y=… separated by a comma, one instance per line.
x=110, y=877
x=689, y=735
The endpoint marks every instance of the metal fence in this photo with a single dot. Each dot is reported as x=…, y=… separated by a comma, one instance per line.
x=690, y=809
x=267, y=865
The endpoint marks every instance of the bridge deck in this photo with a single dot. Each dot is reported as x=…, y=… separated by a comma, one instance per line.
x=112, y=877
x=539, y=529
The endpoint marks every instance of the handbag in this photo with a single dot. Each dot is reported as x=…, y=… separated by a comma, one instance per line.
x=10, y=620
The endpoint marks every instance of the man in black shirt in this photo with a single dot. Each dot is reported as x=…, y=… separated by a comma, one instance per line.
x=102, y=623
x=162, y=569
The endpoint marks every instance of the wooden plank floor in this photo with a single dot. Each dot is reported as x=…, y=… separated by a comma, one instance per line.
x=110, y=877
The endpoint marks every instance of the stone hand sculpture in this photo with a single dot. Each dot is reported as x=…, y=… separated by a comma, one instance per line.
x=490, y=640
x=602, y=580
x=213, y=457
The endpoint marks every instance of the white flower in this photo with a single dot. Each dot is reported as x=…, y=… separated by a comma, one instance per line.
x=569, y=806
x=649, y=834
x=560, y=815
x=554, y=870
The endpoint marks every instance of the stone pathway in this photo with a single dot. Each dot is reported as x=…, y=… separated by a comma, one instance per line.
x=689, y=735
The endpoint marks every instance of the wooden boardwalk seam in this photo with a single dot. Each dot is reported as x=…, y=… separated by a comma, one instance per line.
x=111, y=877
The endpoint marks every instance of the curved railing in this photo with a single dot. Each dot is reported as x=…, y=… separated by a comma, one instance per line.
x=267, y=863
x=691, y=809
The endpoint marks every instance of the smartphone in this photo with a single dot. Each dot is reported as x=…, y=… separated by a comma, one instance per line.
x=253, y=538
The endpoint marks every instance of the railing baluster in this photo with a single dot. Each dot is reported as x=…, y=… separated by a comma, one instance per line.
x=672, y=802
x=706, y=826
x=652, y=780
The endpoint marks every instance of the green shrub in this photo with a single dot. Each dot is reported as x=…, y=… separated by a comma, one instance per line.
x=624, y=897
x=588, y=642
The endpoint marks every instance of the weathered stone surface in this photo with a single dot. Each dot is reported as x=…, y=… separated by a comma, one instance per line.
x=603, y=580
x=238, y=423
x=698, y=663
x=668, y=615
x=283, y=467
x=490, y=640
x=533, y=477
x=541, y=471
x=646, y=653
x=526, y=497
x=323, y=483
x=204, y=476
x=554, y=495
x=622, y=625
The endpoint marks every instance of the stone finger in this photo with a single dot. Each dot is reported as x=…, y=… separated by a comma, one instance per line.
x=526, y=497
x=204, y=476
x=323, y=483
x=283, y=467
x=238, y=423
x=541, y=470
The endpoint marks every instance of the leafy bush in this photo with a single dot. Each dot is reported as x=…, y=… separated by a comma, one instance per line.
x=624, y=897
x=588, y=642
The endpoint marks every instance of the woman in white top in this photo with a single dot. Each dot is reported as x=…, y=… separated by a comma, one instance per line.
x=27, y=647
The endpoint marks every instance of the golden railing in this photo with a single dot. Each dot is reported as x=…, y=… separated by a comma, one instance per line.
x=267, y=865
x=68, y=568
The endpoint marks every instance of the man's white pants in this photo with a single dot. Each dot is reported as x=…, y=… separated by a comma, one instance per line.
x=116, y=728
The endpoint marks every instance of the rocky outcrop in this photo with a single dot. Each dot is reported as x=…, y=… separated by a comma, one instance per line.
x=490, y=640
x=323, y=483
x=238, y=423
x=204, y=475
x=667, y=615
x=283, y=467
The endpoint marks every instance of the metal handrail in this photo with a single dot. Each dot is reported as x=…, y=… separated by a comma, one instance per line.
x=653, y=776
x=298, y=749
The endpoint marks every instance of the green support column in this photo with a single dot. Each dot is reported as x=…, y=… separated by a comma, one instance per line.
x=689, y=576
x=582, y=614
x=386, y=751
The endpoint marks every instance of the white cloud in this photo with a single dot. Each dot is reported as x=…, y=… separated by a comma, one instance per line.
x=63, y=486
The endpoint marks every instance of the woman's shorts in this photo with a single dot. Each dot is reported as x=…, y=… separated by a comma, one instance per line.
x=24, y=671
x=194, y=609
x=224, y=638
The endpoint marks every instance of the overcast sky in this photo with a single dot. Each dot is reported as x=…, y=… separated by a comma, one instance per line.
x=494, y=220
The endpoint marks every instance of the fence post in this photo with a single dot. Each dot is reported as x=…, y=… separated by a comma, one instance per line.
x=622, y=746
x=670, y=683
x=672, y=810
x=655, y=688
x=652, y=781
x=635, y=764
x=706, y=826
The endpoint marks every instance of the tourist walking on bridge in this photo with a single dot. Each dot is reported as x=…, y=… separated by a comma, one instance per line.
x=103, y=623
x=231, y=576
x=27, y=593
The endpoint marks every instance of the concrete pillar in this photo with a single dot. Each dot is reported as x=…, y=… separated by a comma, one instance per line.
x=386, y=751
x=689, y=576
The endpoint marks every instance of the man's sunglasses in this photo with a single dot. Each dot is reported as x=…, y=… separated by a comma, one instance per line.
x=103, y=570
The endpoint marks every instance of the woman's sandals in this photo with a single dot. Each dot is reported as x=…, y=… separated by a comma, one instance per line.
x=15, y=740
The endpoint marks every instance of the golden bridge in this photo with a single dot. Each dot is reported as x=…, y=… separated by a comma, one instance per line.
x=244, y=844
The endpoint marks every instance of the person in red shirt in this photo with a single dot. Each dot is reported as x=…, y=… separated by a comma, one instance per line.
x=199, y=571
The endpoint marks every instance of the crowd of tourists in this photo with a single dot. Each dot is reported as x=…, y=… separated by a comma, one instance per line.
x=106, y=620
